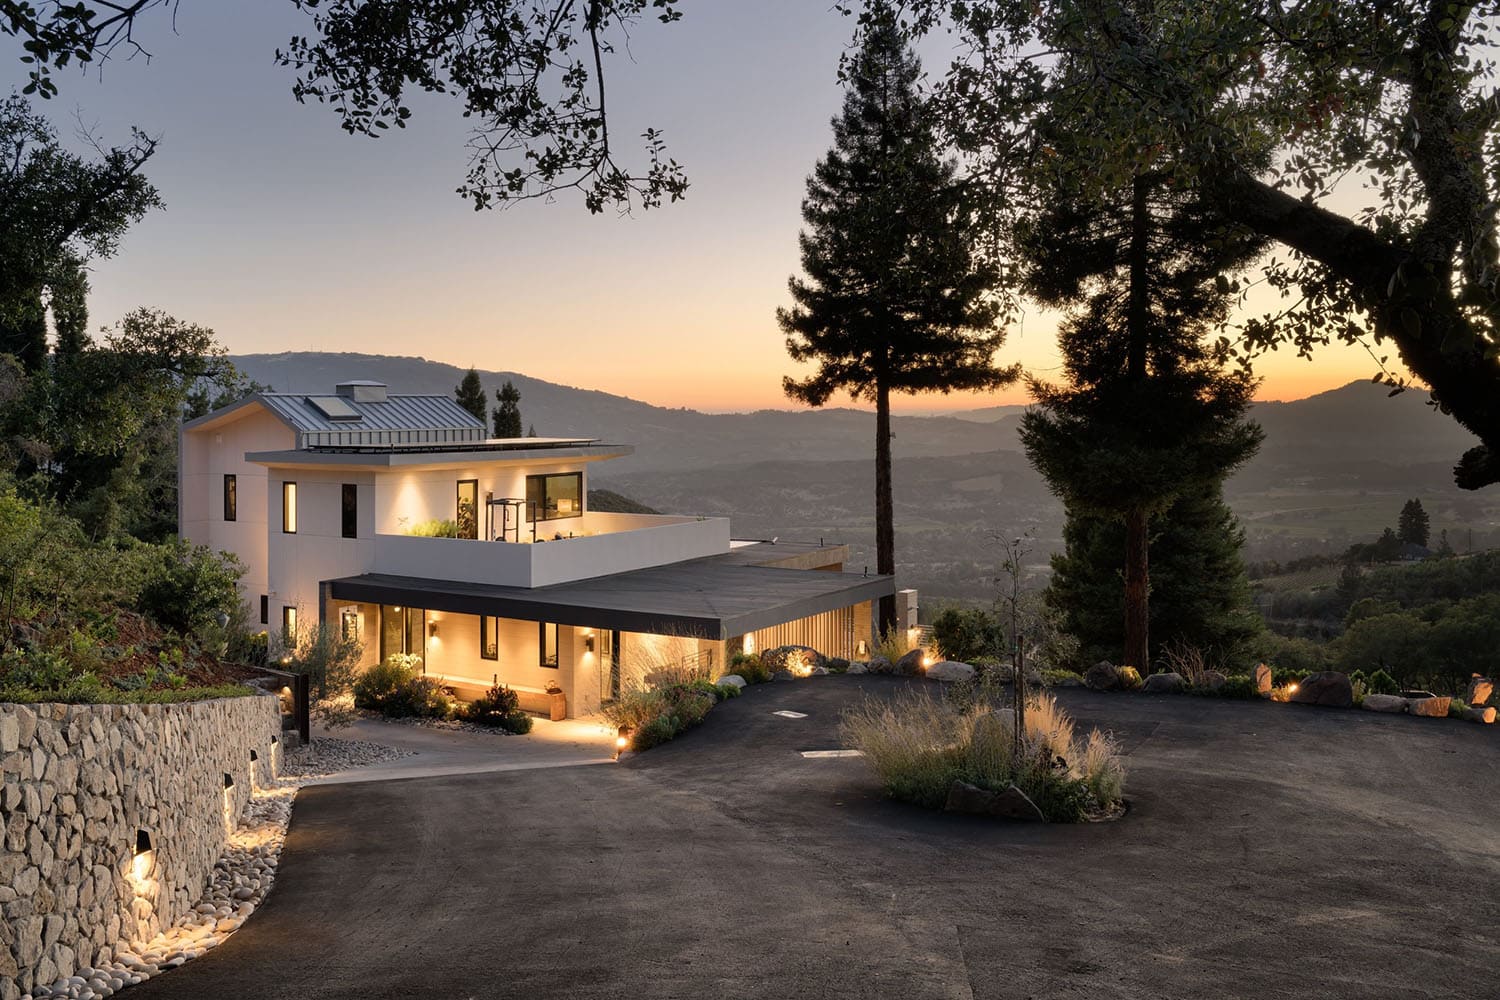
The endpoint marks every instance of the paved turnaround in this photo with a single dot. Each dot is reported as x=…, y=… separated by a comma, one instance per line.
x=1270, y=851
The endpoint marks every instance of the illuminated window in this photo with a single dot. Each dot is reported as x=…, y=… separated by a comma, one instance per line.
x=349, y=624
x=547, y=641
x=552, y=497
x=289, y=626
x=489, y=637
x=231, y=498
x=289, y=508
x=468, y=508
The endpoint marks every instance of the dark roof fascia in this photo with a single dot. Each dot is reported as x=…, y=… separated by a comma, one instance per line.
x=413, y=455
x=225, y=411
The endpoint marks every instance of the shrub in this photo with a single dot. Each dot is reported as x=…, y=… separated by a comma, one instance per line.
x=1282, y=677
x=1234, y=686
x=1130, y=678
x=656, y=715
x=395, y=689
x=965, y=633
x=1053, y=678
x=434, y=529
x=494, y=707
x=1457, y=708
x=727, y=691
x=87, y=690
x=1381, y=682
x=748, y=666
x=919, y=745
x=188, y=586
x=893, y=645
x=837, y=665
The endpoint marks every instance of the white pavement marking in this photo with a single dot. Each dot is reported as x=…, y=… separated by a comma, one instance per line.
x=816, y=754
x=790, y=715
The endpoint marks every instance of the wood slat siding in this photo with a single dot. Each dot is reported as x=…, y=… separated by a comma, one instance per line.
x=830, y=633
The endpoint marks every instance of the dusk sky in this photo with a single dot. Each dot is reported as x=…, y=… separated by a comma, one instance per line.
x=283, y=233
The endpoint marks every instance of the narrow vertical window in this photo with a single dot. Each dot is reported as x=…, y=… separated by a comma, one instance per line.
x=231, y=499
x=265, y=609
x=489, y=637
x=289, y=508
x=547, y=641
x=289, y=626
x=468, y=508
x=349, y=624
x=351, y=510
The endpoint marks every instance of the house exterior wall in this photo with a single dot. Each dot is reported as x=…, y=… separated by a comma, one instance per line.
x=317, y=551
x=207, y=455
x=410, y=496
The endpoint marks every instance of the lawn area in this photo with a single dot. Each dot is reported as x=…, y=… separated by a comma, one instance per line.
x=1269, y=851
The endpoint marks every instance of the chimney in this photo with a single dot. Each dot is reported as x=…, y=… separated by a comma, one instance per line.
x=362, y=391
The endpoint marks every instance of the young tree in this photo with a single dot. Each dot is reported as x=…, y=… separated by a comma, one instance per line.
x=1414, y=527
x=893, y=299
x=508, y=413
x=1264, y=108
x=471, y=396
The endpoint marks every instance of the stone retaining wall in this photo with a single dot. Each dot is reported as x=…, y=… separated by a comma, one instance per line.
x=81, y=783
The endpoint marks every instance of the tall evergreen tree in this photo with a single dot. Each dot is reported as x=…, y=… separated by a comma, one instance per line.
x=508, y=413
x=894, y=300
x=1150, y=411
x=471, y=396
x=1200, y=593
x=1414, y=526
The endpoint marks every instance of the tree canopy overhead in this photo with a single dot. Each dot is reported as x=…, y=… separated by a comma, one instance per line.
x=1265, y=108
x=529, y=74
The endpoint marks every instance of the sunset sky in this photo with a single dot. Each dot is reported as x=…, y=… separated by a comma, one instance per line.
x=282, y=233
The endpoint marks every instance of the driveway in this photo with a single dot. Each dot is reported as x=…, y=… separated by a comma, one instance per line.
x=1269, y=851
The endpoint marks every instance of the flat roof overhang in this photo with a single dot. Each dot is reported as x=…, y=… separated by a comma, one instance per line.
x=707, y=598
x=433, y=456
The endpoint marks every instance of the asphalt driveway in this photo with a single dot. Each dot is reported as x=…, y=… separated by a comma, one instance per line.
x=1269, y=851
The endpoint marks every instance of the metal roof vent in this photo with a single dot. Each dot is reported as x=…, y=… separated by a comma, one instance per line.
x=362, y=391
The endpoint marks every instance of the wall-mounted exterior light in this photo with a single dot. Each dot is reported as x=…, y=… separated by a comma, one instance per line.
x=254, y=756
x=143, y=860
x=588, y=644
x=228, y=782
x=862, y=648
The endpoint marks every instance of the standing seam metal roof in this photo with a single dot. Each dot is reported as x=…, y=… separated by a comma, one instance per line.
x=412, y=418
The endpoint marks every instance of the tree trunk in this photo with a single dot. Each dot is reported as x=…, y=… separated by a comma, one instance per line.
x=885, y=528
x=1137, y=593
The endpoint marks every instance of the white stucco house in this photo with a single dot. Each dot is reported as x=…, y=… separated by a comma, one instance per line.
x=326, y=498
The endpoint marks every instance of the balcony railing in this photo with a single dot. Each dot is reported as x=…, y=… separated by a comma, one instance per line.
x=601, y=545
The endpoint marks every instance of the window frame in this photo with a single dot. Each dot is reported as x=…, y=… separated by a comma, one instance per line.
x=289, y=510
x=537, y=508
x=541, y=655
x=289, y=626
x=231, y=497
x=265, y=609
x=489, y=628
x=458, y=509
x=349, y=509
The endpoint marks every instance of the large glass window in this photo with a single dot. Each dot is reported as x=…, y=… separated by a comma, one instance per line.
x=350, y=500
x=489, y=637
x=231, y=498
x=403, y=630
x=551, y=497
x=289, y=508
x=547, y=642
x=468, y=508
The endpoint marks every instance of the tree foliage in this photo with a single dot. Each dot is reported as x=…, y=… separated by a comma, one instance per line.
x=892, y=300
x=508, y=413
x=471, y=396
x=1414, y=526
x=1265, y=109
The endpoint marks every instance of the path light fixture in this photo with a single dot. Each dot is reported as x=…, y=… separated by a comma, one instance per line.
x=228, y=782
x=143, y=861
x=622, y=740
x=254, y=756
x=861, y=648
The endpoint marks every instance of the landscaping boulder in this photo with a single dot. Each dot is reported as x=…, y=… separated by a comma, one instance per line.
x=783, y=675
x=1009, y=804
x=1168, y=683
x=818, y=672
x=781, y=657
x=1485, y=715
x=1480, y=689
x=1213, y=680
x=1329, y=688
x=858, y=668
x=950, y=670
x=733, y=680
x=880, y=665
x=1102, y=676
x=1263, y=682
x=910, y=664
x=1392, y=703
x=1434, y=707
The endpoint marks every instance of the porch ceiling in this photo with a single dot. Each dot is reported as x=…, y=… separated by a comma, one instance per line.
x=705, y=597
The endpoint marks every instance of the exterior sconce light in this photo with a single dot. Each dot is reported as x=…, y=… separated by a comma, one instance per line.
x=144, y=859
x=432, y=630
x=588, y=644
x=862, y=648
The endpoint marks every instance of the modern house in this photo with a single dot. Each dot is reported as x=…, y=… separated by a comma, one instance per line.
x=395, y=519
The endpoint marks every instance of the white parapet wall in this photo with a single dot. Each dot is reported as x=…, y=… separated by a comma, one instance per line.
x=81, y=784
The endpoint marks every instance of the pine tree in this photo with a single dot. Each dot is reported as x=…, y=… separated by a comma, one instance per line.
x=1200, y=593
x=893, y=300
x=508, y=413
x=471, y=396
x=1414, y=526
x=1150, y=412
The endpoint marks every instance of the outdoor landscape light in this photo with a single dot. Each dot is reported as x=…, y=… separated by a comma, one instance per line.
x=254, y=756
x=622, y=740
x=228, y=782
x=144, y=859
x=861, y=648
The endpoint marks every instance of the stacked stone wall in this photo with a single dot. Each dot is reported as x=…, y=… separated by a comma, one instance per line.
x=79, y=784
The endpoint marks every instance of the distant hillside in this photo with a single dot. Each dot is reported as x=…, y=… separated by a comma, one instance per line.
x=663, y=438
x=610, y=502
x=1335, y=468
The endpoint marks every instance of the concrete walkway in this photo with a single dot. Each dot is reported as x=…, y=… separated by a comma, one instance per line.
x=443, y=753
